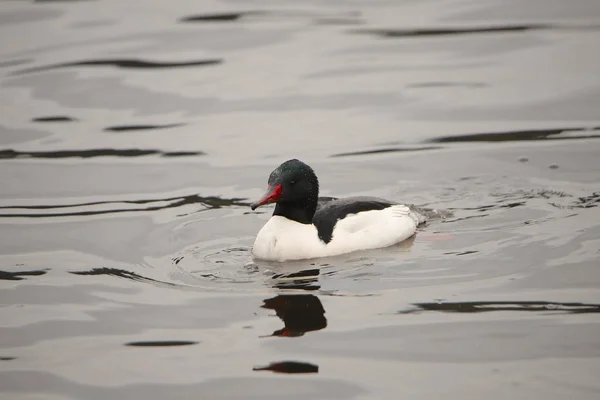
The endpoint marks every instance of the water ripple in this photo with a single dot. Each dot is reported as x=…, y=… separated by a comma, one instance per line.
x=100, y=207
x=162, y=343
x=18, y=276
x=121, y=273
x=530, y=134
x=386, y=150
x=399, y=33
x=54, y=118
x=129, y=128
x=487, y=306
x=220, y=17
x=300, y=313
x=121, y=63
x=92, y=153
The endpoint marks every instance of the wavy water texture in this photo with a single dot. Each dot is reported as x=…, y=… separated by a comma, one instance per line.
x=121, y=63
x=318, y=18
x=135, y=128
x=93, y=153
x=120, y=273
x=162, y=343
x=473, y=30
x=490, y=306
x=54, y=118
x=20, y=275
x=386, y=150
x=126, y=250
x=526, y=135
x=220, y=17
x=116, y=206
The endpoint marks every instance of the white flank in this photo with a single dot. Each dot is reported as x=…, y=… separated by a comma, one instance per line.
x=282, y=239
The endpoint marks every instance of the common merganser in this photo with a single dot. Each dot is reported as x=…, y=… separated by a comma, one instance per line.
x=300, y=229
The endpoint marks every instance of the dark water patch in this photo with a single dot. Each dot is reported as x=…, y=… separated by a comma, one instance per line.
x=590, y=201
x=299, y=284
x=300, y=313
x=386, y=150
x=351, y=18
x=54, y=118
x=129, y=128
x=92, y=153
x=494, y=206
x=290, y=367
x=162, y=343
x=7, y=358
x=488, y=306
x=182, y=153
x=121, y=273
x=307, y=273
x=430, y=32
x=176, y=260
x=303, y=280
x=18, y=276
x=121, y=63
x=525, y=135
x=220, y=17
x=461, y=253
x=210, y=202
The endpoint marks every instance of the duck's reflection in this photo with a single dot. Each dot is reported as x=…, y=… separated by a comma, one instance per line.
x=300, y=313
x=289, y=367
x=305, y=280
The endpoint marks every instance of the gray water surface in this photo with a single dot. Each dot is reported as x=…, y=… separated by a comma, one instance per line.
x=134, y=136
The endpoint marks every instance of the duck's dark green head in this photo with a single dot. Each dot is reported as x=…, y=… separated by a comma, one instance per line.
x=293, y=183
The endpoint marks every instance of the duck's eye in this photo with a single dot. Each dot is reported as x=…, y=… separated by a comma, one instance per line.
x=292, y=183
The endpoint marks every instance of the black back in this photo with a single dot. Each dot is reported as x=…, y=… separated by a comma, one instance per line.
x=329, y=213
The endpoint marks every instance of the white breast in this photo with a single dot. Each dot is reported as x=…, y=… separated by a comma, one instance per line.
x=283, y=239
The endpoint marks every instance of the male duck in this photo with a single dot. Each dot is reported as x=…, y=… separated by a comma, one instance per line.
x=299, y=229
